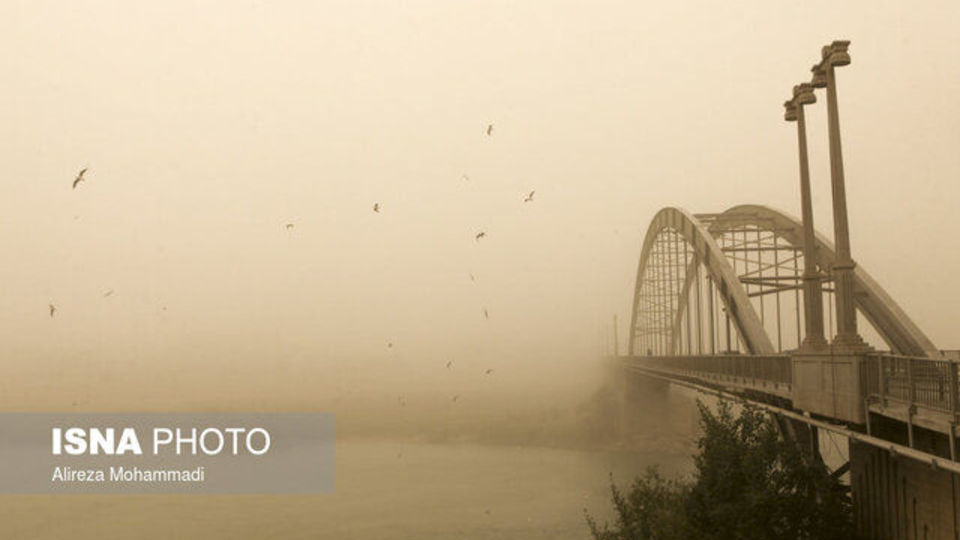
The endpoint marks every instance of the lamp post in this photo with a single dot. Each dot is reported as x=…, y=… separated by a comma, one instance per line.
x=834, y=55
x=812, y=294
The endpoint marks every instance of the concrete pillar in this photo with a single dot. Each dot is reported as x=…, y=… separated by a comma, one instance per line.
x=829, y=384
x=847, y=337
x=812, y=290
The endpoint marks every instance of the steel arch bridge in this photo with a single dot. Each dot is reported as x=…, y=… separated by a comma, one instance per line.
x=717, y=306
x=731, y=282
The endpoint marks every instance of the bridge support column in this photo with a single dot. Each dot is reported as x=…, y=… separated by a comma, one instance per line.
x=812, y=290
x=835, y=55
x=829, y=384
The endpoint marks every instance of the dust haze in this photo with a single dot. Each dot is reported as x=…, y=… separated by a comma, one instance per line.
x=208, y=128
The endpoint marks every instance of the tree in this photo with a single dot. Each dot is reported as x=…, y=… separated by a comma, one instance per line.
x=749, y=483
x=653, y=508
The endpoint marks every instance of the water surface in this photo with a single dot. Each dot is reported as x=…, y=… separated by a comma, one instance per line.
x=383, y=490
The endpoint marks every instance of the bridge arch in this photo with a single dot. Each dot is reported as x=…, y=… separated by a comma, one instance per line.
x=706, y=252
x=665, y=275
x=899, y=332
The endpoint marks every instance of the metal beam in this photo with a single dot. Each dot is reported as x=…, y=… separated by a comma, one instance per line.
x=900, y=333
x=730, y=290
x=893, y=448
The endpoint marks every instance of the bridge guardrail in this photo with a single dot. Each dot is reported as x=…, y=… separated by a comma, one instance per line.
x=929, y=383
x=753, y=371
x=920, y=381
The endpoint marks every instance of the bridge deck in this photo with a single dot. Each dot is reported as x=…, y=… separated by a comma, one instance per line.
x=915, y=390
x=921, y=391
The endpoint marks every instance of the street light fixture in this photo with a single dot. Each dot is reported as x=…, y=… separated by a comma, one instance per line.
x=790, y=114
x=803, y=94
x=819, y=79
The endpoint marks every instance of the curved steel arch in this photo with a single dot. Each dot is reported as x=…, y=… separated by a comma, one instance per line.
x=900, y=333
x=708, y=253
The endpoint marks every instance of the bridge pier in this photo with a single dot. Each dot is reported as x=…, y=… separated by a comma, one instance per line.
x=829, y=384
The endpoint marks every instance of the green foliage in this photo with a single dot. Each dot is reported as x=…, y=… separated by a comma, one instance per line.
x=749, y=483
x=653, y=508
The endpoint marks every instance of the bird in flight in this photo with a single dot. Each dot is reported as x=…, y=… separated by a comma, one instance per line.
x=489, y=130
x=472, y=278
x=108, y=293
x=288, y=226
x=455, y=398
x=486, y=315
x=79, y=178
x=467, y=178
x=449, y=363
x=480, y=235
x=488, y=372
x=53, y=309
x=376, y=207
x=529, y=198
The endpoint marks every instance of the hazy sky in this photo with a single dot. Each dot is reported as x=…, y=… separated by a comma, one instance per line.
x=206, y=126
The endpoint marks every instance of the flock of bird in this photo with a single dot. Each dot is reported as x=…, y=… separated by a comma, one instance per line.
x=376, y=208
x=477, y=237
x=80, y=178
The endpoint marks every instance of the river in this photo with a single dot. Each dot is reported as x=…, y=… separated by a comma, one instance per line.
x=383, y=490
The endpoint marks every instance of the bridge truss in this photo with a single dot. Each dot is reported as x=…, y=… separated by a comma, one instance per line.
x=730, y=283
x=718, y=301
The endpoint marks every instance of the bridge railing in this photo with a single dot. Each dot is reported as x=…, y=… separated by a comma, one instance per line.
x=918, y=381
x=752, y=371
